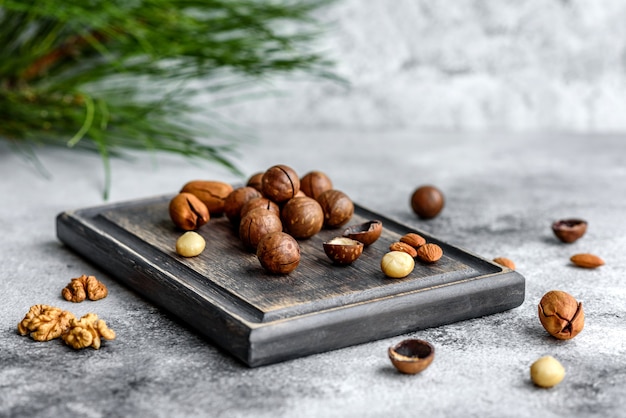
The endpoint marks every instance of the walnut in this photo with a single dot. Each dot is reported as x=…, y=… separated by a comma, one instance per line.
x=84, y=287
x=45, y=322
x=87, y=332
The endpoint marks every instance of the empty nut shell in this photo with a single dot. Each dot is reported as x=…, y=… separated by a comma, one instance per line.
x=367, y=232
x=569, y=230
x=343, y=250
x=561, y=315
x=411, y=356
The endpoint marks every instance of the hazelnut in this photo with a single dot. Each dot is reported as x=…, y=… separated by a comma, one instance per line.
x=278, y=253
x=427, y=202
x=259, y=202
x=561, y=315
x=256, y=181
x=280, y=183
x=235, y=201
x=211, y=193
x=367, y=232
x=411, y=356
x=256, y=224
x=397, y=264
x=337, y=206
x=302, y=217
x=547, y=372
x=569, y=230
x=343, y=250
x=188, y=212
x=315, y=183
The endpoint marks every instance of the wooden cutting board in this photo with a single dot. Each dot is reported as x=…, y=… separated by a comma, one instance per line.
x=261, y=319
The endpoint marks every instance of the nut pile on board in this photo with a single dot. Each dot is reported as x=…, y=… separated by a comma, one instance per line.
x=269, y=214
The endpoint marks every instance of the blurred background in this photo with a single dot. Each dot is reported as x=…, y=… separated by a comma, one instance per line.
x=538, y=65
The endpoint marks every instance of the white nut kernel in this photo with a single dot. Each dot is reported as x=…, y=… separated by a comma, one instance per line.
x=397, y=264
x=190, y=244
x=547, y=372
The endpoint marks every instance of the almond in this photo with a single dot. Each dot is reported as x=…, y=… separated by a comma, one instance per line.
x=413, y=239
x=404, y=247
x=588, y=261
x=503, y=261
x=429, y=253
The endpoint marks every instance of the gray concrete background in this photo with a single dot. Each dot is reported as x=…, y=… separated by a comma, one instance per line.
x=503, y=191
x=463, y=65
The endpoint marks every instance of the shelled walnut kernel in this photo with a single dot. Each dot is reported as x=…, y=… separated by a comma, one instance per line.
x=88, y=331
x=45, y=322
x=83, y=287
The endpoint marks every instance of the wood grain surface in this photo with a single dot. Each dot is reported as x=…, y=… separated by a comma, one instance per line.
x=262, y=318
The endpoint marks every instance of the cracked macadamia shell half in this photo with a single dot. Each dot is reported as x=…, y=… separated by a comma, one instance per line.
x=343, y=250
x=367, y=232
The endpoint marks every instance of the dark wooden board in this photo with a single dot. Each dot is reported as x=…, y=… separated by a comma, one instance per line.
x=261, y=318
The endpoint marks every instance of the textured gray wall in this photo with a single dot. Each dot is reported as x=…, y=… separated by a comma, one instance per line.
x=463, y=65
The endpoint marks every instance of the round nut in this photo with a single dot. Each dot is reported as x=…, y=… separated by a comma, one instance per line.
x=569, y=230
x=561, y=315
x=235, y=201
x=427, y=202
x=278, y=253
x=190, y=244
x=256, y=224
x=315, y=183
x=397, y=264
x=302, y=217
x=256, y=181
x=259, y=202
x=188, y=212
x=337, y=206
x=343, y=250
x=429, y=253
x=211, y=193
x=411, y=356
x=547, y=372
x=367, y=232
x=280, y=183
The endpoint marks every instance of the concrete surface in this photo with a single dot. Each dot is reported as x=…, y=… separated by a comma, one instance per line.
x=503, y=192
x=481, y=64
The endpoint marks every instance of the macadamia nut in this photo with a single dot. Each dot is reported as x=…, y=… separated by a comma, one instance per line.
x=397, y=264
x=547, y=372
x=190, y=244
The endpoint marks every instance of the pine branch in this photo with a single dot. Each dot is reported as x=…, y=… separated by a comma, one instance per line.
x=110, y=76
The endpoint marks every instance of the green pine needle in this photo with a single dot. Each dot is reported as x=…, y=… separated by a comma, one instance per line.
x=112, y=76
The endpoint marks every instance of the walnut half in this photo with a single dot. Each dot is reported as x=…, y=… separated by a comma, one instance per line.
x=45, y=322
x=84, y=287
x=87, y=332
